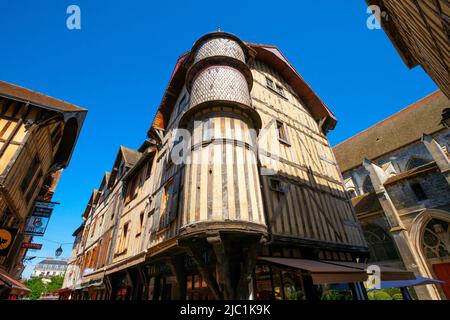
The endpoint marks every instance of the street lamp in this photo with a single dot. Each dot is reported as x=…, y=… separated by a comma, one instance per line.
x=58, y=251
x=446, y=118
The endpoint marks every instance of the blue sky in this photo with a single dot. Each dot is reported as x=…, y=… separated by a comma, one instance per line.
x=119, y=63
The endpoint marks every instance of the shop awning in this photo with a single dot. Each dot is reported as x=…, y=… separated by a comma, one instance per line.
x=16, y=287
x=387, y=273
x=93, y=284
x=418, y=281
x=321, y=272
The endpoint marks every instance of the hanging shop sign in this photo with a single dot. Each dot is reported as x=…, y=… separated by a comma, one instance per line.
x=38, y=221
x=33, y=246
x=7, y=236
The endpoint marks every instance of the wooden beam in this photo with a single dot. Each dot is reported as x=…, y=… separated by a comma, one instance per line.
x=222, y=265
x=250, y=255
x=430, y=31
x=15, y=129
x=194, y=251
x=175, y=263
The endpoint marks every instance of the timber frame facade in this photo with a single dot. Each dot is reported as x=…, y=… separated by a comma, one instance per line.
x=258, y=182
x=420, y=31
x=37, y=137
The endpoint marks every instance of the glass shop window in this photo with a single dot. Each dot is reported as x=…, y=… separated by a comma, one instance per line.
x=277, y=284
x=335, y=292
x=264, y=289
x=197, y=288
x=292, y=286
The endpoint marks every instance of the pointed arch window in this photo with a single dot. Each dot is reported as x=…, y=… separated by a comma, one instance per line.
x=436, y=239
x=381, y=245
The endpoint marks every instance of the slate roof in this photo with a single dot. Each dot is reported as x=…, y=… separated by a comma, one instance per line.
x=403, y=128
x=54, y=261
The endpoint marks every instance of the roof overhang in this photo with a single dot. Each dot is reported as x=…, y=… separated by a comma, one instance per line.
x=72, y=115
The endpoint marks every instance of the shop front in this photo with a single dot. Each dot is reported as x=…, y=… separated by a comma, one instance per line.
x=302, y=279
x=122, y=286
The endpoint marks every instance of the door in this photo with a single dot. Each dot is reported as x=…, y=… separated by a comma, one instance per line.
x=442, y=271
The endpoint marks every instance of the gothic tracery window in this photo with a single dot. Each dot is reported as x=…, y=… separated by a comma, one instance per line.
x=415, y=162
x=381, y=245
x=436, y=239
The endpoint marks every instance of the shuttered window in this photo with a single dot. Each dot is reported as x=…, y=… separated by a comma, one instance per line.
x=169, y=202
x=123, y=243
x=282, y=132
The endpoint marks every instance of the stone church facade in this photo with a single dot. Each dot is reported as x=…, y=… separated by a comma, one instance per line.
x=397, y=174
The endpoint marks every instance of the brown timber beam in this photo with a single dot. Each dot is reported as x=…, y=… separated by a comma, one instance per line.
x=250, y=254
x=194, y=249
x=175, y=263
x=222, y=265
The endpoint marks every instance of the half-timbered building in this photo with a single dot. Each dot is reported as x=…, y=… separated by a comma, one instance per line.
x=37, y=137
x=236, y=193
